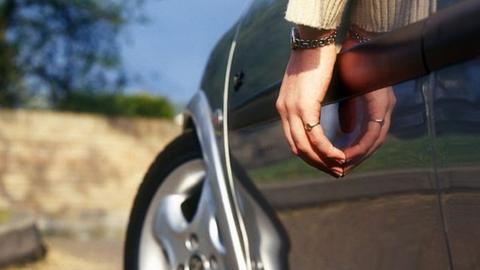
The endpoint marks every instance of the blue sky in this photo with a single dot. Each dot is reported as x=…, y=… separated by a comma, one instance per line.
x=167, y=54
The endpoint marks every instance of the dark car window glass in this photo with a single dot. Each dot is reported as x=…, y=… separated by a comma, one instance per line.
x=262, y=49
x=213, y=80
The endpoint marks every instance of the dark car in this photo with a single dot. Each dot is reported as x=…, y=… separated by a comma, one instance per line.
x=229, y=194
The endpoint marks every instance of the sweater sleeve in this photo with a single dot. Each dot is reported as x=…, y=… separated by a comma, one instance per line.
x=387, y=15
x=321, y=14
x=371, y=15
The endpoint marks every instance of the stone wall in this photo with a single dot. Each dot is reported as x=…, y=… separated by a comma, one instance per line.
x=76, y=172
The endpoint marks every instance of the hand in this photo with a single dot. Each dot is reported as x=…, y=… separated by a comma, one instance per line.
x=373, y=111
x=303, y=89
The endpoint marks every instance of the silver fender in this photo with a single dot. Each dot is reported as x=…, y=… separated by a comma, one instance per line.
x=200, y=113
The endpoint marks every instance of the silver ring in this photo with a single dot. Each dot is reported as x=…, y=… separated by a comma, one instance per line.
x=309, y=127
x=380, y=121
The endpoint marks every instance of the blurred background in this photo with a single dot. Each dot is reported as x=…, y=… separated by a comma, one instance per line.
x=90, y=92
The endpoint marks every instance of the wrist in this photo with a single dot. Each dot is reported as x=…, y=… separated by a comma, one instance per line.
x=307, y=32
x=322, y=58
x=312, y=38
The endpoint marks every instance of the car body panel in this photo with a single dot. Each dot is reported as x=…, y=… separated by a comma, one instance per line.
x=400, y=209
x=456, y=107
x=385, y=215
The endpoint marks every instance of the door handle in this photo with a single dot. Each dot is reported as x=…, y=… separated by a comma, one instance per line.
x=238, y=80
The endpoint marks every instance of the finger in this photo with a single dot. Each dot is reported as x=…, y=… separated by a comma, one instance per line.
x=354, y=162
x=320, y=143
x=282, y=111
x=384, y=132
x=385, y=127
x=387, y=120
x=364, y=144
x=335, y=171
x=323, y=147
x=288, y=135
x=305, y=149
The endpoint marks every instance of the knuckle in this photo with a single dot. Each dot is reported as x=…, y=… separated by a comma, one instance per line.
x=302, y=148
x=330, y=155
x=316, y=141
x=302, y=109
x=303, y=106
x=394, y=100
x=280, y=106
x=290, y=105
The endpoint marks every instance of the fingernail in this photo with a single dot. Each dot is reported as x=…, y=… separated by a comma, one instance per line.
x=338, y=172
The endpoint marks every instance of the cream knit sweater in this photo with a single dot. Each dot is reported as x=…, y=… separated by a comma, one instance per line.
x=370, y=15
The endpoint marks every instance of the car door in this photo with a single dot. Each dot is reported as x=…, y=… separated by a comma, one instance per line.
x=391, y=212
x=456, y=108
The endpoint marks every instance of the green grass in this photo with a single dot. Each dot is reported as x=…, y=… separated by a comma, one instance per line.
x=396, y=154
x=458, y=150
x=143, y=105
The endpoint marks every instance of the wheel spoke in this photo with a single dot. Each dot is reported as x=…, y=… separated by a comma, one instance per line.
x=205, y=224
x=181, y=222
x=170, y=227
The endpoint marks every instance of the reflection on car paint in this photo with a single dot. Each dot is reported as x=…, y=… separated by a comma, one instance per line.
x=392, y=210
x=456, y=110
x=385, y=214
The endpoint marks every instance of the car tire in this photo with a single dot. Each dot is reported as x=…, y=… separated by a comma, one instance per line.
x=182, y=150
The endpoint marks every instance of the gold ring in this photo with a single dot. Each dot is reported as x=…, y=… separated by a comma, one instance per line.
x=309, y=127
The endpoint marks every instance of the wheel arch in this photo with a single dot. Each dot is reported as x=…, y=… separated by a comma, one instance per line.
x=198, y=116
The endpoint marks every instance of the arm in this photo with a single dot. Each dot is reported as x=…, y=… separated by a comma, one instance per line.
x=303, y=89
x=306, y=81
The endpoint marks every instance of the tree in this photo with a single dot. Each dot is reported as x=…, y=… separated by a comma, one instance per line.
x=8, y=70
x=61, y=46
